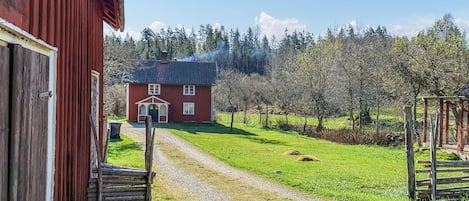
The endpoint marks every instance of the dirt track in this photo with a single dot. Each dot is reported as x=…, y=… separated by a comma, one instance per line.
x=205, y=178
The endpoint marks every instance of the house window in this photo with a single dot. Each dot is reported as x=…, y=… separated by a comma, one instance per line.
x=142, y=110
x=188, y=109
x=153, y=89
x=189, y=90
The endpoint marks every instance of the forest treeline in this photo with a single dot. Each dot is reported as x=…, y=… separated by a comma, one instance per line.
x=343, y=72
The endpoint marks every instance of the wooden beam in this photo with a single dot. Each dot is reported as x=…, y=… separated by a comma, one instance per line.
x=409, y=151
x=460, y=148
x=434, y=128
x=98, y=153
x=440, y=125
x=447, y=122
x=467, y=124
x=425, y=119
x=148, y=155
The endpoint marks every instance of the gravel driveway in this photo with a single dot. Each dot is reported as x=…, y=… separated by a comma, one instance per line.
x=194, y=185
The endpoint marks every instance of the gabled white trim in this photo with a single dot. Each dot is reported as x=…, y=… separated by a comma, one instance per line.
x=153, y=100
x=147, y=111
x=10, y=33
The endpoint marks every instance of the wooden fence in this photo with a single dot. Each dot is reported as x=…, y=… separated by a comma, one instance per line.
x=446, y=179
x=122, y=183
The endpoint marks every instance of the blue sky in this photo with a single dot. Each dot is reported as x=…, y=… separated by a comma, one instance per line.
x=400, y=17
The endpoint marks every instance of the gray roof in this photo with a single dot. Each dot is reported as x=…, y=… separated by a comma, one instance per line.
x=464, y=91
x=174, y=73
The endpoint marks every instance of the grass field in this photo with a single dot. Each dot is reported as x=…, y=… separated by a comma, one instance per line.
x=344, y=172
x=388, y=118
x=126, y=153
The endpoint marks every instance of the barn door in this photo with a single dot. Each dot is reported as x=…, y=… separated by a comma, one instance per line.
x=4, y=119
x=29, y=121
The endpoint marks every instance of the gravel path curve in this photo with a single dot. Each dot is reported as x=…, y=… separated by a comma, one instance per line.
x=188, y=182
x=192, y=184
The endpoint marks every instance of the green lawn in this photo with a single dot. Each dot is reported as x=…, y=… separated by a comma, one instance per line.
x=345, y=172
x=126, y=153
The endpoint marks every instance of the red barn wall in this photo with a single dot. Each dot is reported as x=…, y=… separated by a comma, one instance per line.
x=174, y=95
x=76, y=29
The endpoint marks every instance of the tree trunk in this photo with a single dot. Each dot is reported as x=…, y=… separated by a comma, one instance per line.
x=415, y=108
x=232, y=119
x=377, y=112
x=266, y=115
x=304, y=125
x=415, y=128
x=377, y=117
x=360, y=104
x=286, y=118
x=245, y=110
x=259, y=109
x=320, y=126
x=350, y=92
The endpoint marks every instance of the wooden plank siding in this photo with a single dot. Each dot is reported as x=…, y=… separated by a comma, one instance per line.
x=28, y=147
x=76, y=29
x=4, y=119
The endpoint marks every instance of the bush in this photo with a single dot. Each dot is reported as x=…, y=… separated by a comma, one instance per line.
x=347, y=136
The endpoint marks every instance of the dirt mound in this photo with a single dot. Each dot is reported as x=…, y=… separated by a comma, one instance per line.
x=292, y=153
x=307, y=158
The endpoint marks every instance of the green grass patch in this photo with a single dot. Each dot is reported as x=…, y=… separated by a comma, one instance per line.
x=126, y=153
x=116, y=117
x=344, y=172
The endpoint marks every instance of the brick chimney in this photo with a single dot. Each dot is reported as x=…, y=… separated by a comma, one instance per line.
x=164, y=57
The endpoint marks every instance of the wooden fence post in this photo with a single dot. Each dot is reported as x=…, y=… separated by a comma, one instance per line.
x=446, y=122
x=409, y=150
x=440, y=128
x=148, y=155
x=425, y=119
x=99, y=189
x=460, y=148
x=433, y=138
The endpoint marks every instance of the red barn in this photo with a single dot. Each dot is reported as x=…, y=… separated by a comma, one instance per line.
x=51, y=75
x=171, y=91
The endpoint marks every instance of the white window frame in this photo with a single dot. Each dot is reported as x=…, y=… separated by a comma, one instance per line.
x=188, y=104
x=154, y=89
x=188, y=90
x=10, y=33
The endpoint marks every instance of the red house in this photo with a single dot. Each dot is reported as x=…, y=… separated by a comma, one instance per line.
x=171, y=91
x=51, y=75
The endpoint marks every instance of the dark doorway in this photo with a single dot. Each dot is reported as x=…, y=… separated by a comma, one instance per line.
x=153, y=112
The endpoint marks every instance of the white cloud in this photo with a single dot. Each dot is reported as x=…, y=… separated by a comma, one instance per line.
x=217, y=26
x=411, y=30
x=462, y=24
x=127, y=31
x=157, y=25
x=271, y=26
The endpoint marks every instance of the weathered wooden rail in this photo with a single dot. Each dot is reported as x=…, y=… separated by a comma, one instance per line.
x=123, y=183
x=455, y=180
x=459, y=184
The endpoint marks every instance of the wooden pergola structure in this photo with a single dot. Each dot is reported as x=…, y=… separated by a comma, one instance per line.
x=444, y=103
